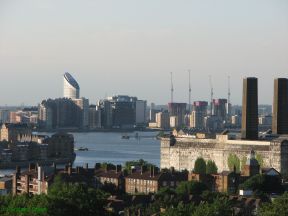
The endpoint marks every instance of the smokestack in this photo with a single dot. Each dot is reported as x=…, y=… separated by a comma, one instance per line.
x=249, y=129
x=280, y=106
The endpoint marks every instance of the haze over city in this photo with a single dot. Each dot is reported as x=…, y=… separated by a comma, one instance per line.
x=129, y=47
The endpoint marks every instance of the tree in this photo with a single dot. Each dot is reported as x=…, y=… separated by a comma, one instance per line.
x=263, y=184
x=260, y=160
x=211, y=167
x=190, y=187
x=218, y=207
x=200, y=166
x=137, y=163
x=243, y=162
x=278, y=207
x=233, y=161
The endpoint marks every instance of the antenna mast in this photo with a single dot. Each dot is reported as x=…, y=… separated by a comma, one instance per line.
x=172, y=89
x=189, y=92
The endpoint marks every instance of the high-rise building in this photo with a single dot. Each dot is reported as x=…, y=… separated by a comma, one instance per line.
x=94, y=117
x=250, y=109
x=83, y=115
x=280, y=106
x=198, y=114
x=71, y=87
x=179, y=110
x=163, y=120
x=219, y=108
x=141, y=111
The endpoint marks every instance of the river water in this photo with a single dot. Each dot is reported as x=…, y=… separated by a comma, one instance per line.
x=110, y=147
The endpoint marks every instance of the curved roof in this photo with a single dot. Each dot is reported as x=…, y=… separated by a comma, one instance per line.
x=71, y=80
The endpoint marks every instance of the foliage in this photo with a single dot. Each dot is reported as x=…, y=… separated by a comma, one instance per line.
x=190, y=187
x=211, y=167
x=200, y=166
x=233, y=160
x=278, y=207
x=243, y=162
x=137, y=163
x=262, y=183
x=218, y=207
x=62, y=199
x=181, y=209
x=260, y=160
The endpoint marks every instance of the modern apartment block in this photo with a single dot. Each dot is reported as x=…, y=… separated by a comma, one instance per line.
x=71, y=87
x=249, y=129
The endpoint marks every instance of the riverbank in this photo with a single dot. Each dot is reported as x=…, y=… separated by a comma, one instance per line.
x=104, y=130
x=47, y=162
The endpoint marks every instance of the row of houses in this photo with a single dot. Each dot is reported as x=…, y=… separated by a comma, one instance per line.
x=141, y=180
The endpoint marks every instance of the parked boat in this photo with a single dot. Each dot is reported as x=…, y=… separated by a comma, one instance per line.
x=125, y=136
x=83, y=149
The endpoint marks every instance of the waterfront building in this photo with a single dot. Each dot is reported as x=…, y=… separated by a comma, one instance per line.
x=236, y=120
x=280, y=106
x=179, y=110
x=198, y=114
x=4, y=116
x=10, y=132
x=71, y=87
x=83, y=112
x=249, y=129
x=62, y=113
x=122, y=111
x=163, y=120
x=265, y=121
x=94, y=117
x=141, y=106
x=174, y=122
x=181, y=152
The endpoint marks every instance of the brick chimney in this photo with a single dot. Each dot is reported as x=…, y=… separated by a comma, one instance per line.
x=118, y=168
x=69, y=169
x=31, y=166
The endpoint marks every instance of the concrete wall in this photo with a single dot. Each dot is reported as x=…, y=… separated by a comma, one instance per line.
x=186, y=150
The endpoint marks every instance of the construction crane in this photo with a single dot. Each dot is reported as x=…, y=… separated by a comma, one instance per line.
x=229, y=95
x=211, y=95
x=189, y=109
x=172, y=89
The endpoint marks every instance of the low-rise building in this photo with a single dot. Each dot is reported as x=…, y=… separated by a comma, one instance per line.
x=110, y=176
x=5, y=185
x=152, y=180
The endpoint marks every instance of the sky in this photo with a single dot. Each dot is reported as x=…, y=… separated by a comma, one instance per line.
x=130, y=47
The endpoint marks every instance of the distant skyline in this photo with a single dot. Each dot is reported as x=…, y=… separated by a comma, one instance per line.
x=130, y=47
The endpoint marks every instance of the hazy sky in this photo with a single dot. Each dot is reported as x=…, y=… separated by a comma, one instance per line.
x=130, y=47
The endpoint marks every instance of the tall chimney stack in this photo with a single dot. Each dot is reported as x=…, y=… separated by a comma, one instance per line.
x=249, y=129
x=280, y=106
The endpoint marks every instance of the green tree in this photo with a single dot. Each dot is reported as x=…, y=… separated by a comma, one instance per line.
x=211, y=167
x=243, y=162
x=190, y=187
x=200, y=166
x=263, y=184
x=218, y=207
x=233, y=160
x=278, y=207
x=137, y=163
x=259, y=158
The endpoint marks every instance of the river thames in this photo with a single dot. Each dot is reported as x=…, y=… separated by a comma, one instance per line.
x=110, y=147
